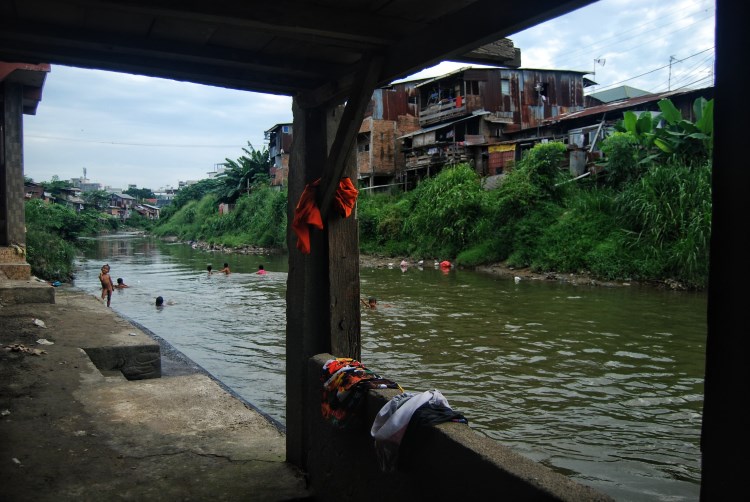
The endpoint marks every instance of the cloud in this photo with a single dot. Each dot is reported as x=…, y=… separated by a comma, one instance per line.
x=128, y=129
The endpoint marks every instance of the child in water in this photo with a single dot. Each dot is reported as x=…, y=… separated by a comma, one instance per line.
x=160, y=302
x=261, y=270
x=372, y=303
x=225, y=269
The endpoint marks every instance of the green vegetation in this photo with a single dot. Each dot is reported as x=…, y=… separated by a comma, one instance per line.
x=257, y=219
x=258, y=215
x=52, y=235
x=647, y=218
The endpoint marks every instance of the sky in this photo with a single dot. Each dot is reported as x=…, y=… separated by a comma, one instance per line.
x=127, y=129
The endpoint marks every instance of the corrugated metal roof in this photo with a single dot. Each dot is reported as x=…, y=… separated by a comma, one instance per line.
x=617, y=105
x=618, y=93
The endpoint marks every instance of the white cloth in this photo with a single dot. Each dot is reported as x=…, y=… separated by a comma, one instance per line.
x=392, y=420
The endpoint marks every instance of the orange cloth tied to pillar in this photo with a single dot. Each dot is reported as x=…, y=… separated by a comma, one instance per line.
x=307, y=213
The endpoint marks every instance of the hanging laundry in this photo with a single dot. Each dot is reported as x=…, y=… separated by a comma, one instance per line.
x=345, y=382
x=307, y=213
x=402, y=413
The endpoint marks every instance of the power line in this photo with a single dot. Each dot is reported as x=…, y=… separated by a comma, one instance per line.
x=123, y=143
x=618, y=40
x=616, y=84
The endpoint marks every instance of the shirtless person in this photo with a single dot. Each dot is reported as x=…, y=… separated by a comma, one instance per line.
x=225, y=269
x=107, y=286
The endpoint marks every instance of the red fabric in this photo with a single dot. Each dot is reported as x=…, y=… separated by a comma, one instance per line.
x=307, y=213
x=346, y=197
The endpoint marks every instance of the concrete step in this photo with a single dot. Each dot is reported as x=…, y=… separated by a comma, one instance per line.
x=13, y=292
x=16, y=271
x=12, y=254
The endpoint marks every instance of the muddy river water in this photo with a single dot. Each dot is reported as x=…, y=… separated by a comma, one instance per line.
x=604, y=385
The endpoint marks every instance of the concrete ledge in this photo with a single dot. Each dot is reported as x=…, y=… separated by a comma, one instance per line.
x=457, y=462
x=13, y=292
x=135, y=362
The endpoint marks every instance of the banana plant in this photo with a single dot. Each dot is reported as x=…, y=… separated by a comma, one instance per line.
x=668, y=136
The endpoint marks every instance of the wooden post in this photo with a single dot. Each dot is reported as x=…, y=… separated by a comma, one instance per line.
x=323, y=313
x=307, y=323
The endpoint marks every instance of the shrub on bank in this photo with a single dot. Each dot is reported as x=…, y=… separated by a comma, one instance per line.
x=649, y=223
x=49, y=255
x=52, y=232
x=257, y=219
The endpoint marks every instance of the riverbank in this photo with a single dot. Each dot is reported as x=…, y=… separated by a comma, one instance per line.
x=70, y=431
x=499, y=269
x=503, y=270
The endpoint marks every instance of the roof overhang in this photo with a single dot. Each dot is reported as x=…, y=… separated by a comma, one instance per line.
x=312, y=50
x=31, y=77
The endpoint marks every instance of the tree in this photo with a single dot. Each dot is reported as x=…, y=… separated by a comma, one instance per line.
x=98, y=199
x=140, y=193
x=244, y=173
x=56, y=186
x=667, y=136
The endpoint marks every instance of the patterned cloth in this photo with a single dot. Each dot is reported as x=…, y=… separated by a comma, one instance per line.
x=345, y=382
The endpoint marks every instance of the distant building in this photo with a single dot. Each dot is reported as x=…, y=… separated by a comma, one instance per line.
x=584, y=130
x=392, y=113
x=183, y=184
x=148, y=211
x=611, y=95
x=164, y=197
x=85, y=184
x=279, y=139
x=33, y=191
x=217, y=170
x=71, y=197
x=486, y=117
x=121, y=205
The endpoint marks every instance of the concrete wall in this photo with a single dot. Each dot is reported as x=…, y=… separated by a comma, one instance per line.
x=443, y=462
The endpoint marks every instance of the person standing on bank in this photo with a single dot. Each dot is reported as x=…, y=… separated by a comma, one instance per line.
x=107, y=286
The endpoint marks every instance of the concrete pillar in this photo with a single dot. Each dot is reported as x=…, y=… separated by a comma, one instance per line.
x=12, y=216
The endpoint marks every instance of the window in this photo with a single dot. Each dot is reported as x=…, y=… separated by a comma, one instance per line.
x=505, y=87
x=472, y=87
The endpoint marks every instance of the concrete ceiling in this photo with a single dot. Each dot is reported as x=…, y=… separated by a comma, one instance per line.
x=308, y=49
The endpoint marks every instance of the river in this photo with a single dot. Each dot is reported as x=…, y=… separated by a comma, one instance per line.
x=604, y=385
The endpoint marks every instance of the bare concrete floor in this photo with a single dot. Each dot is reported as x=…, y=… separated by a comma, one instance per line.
x=70, y=432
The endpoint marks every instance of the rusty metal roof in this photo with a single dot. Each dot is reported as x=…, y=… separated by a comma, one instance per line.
x=616, y=105
x=311, y=49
